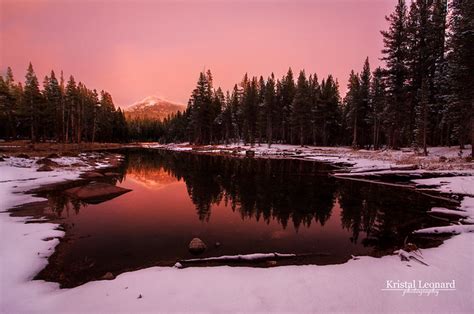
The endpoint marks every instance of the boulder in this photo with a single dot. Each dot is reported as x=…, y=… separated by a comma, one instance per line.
x=44, y=168
x=2, y=159
x=96, y=192
x=69, y=154
x=409, y=247
x=91, y=175
x=53, y=155
x=197, y=246
x=47, y=162
x=443, y=159
x=23, y=156
x=271, y=263
x=108, y=276
x=250, y=153
x=112, y=174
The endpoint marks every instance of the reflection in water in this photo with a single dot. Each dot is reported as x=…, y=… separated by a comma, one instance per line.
x=248, y=205
x=257, y=188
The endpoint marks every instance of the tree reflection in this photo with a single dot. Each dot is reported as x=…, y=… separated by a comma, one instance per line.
x=386, y=215
x=293, y=191
x=282, y=190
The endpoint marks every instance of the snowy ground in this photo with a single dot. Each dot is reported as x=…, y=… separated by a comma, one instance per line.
x=355, y=286
x=439, y=158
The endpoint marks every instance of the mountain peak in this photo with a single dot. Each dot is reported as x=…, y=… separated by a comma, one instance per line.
x=152, y=107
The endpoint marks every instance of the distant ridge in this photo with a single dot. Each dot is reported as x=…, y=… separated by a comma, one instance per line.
x=153, y=108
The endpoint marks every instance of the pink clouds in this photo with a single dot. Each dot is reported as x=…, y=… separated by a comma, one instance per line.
x=135, y=49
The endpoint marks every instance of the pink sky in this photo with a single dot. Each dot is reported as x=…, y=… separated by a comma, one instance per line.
x=141, y=48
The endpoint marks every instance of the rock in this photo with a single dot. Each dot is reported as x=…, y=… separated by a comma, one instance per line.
x=404, y=167
x=271, y=263
x=2, y=159
x=250, y=153
x=95, y=193
x=44, y=168
x=140, y=296
x=178, y=265
x=409, y=247
x=47, y=162
x=443, y=159
x=112, y=174
x=69, y=154
x=196, y=246
x=108, y=276
x=53, y=155
x=25, y=156
x=91, y=175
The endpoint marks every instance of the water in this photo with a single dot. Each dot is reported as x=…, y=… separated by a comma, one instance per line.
x=242, y=205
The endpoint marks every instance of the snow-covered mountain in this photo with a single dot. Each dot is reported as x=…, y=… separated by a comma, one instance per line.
x=152, y=107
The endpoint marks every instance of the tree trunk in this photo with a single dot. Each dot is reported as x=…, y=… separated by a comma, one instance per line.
x=354, y=137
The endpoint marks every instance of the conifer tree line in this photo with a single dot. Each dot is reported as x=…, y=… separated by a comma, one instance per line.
x=61, y=111
x=422, y=97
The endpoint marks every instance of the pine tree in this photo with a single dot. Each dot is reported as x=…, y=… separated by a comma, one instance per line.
x=200, y=109
x=249, y=104
x=31, y=102
x=261, y=114
x=352, y=102
x=301, y=109
x=460, y=67
x=364, y=106
x=9, y=104
x=287, y=92
x=315, y=103
x=330, y=104
x=437, y=45
x=269, y=107
x=378, y=103
x=396, y=55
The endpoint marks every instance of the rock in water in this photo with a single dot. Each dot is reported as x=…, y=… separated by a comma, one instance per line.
x=250, y=153
x=95, y=193
x=108, y=276
x=111, y=174
x=196, y=246
x=91, y=175
x=45, y=168
x=53, y=155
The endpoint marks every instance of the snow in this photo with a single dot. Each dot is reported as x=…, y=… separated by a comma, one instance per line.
x=459, y=185
x=442, y=210
x=241, y=257
x=357, y=285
